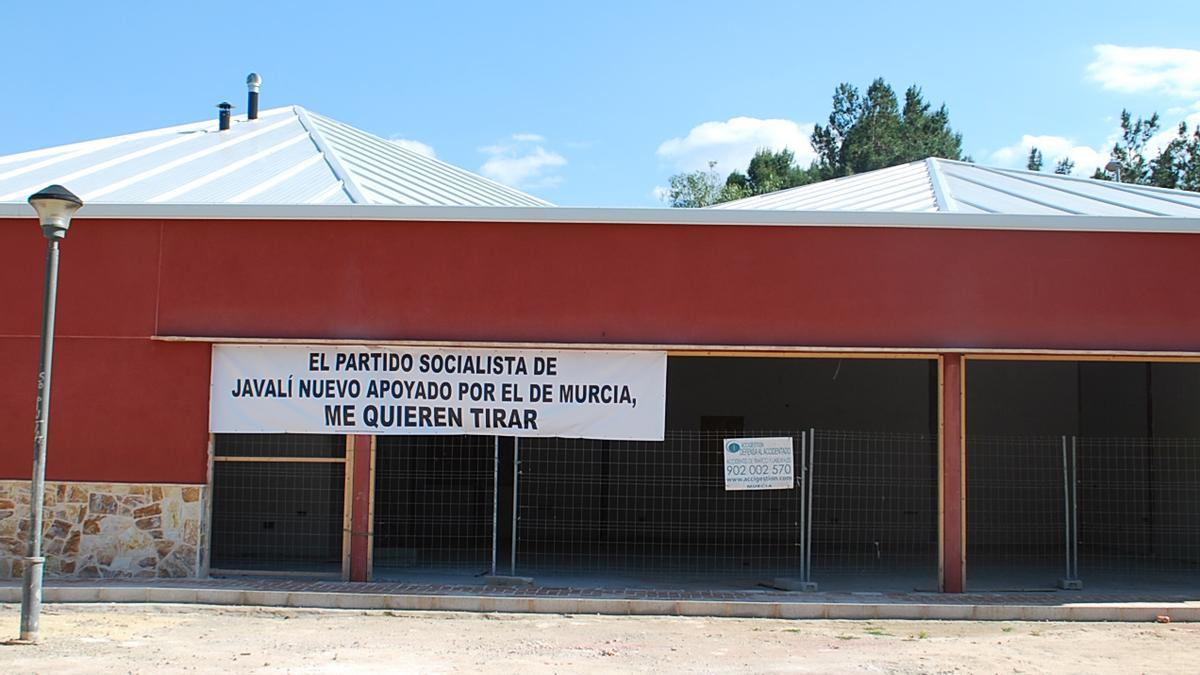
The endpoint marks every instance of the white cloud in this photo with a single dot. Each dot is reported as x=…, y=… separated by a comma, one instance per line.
x=415, y=146
x=1175, y=72
x=522, y=162
x=1053, y=148
x=733, y=142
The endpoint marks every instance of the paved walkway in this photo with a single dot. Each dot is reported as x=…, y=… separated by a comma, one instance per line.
x=1049, y=605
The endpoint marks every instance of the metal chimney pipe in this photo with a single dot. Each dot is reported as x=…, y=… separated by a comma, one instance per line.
x=223, y=116
x=253, y=82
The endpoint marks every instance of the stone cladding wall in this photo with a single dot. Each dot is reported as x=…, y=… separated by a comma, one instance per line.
x=105, y=530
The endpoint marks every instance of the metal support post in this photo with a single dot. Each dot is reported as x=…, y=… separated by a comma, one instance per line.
x=31, y=590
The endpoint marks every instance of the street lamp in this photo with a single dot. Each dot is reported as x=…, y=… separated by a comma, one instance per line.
x=1115, y=167
x=54, y=205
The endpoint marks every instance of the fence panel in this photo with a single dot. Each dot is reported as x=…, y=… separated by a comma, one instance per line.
x=631, y=506
x=1139, y=505
x=874, y=504
x=433, y=502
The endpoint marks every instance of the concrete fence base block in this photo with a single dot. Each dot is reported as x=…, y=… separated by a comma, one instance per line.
x=503, y=580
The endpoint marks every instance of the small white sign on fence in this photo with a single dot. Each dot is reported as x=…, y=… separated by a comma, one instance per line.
x=759, y=464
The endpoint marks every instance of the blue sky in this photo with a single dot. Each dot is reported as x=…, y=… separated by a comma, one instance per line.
x=597, y=104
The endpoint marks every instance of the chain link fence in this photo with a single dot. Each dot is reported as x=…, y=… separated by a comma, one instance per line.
x=278, y=503
x=1120, y=511
x=433, y=504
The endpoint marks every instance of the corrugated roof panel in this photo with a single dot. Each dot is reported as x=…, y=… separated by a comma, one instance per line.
x=962, y=187
x=287, y=156
x=304, y=186
x=254, y=163
x=1050, y=193
x=402, y=176
x=899, y=188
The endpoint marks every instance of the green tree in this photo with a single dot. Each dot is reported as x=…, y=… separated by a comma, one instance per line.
x=871, y=131
x=695, y=189
x=768, y=171
x=865, y=132
x=1064, y=167
x=1176, y=165
x=1035, y=160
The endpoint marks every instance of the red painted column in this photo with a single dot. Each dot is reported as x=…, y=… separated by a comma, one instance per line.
x=360, y=513
x=953, y=480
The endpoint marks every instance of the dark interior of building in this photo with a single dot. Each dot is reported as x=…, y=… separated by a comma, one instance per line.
x=1085, y=471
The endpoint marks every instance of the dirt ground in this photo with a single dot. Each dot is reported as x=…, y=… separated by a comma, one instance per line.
x=109, y=638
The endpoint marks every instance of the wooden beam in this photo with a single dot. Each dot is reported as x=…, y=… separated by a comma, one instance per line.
x=952, y=486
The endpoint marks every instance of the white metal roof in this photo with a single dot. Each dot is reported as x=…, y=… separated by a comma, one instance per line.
x=287, y=156
x=947, y=186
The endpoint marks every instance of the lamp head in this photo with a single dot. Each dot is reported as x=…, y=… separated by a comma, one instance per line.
x=1114, y=165
x=55, y=205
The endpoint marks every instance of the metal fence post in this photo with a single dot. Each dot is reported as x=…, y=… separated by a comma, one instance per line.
x=808, y=509
x=495, y=497
x=802, y=479
x=516, y=488
x=1070, y=581
x=1075, y=514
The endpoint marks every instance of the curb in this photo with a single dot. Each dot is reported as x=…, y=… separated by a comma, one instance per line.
x=1126, y=612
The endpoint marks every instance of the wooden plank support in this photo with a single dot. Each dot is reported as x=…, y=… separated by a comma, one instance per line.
x=360, y=516
x=953, y=552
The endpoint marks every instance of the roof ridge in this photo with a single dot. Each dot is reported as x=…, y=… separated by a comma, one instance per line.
x=937, y=182
x=330, y=156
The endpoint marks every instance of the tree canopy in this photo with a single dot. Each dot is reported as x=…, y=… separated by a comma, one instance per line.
x=1175, y=165
x=865, y=132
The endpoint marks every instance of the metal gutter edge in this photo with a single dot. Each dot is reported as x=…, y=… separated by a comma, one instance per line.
x=559, y=215
x=330, y=156
x=716, y=350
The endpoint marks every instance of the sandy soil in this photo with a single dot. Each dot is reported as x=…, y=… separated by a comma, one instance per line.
x=178, y=638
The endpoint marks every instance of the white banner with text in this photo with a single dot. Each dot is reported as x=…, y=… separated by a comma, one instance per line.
x=618, y=395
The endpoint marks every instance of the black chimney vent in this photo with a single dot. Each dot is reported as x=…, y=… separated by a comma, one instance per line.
x=223, y=116
x=253, y=82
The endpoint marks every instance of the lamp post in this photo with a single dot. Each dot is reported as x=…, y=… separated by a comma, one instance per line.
x=54, y=205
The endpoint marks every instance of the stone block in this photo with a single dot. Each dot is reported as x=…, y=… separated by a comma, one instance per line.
x=71, y=548
x=190, y=494
x=58, y=529
x=130, y=503
x=102, y=503
x=149, y=523
x=77, y=495
x=148, y=561
x=9, y=504
x=148, y=510
x=92, y=525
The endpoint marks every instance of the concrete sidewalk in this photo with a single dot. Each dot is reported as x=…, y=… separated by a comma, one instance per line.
x=767, y=603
